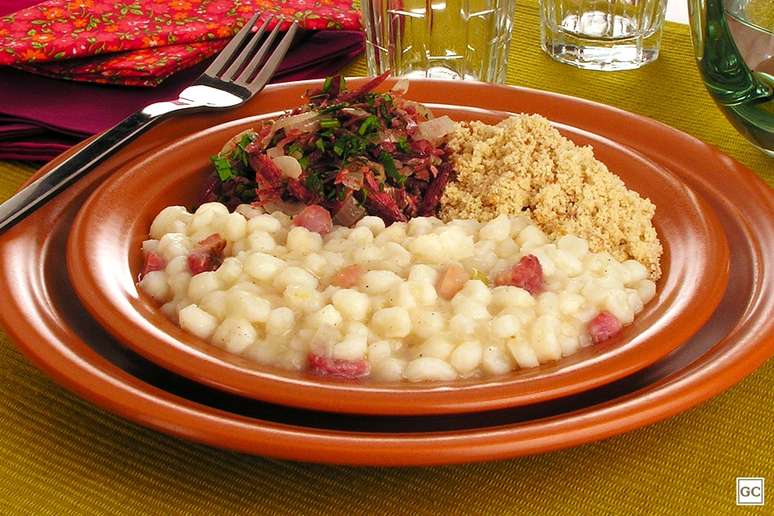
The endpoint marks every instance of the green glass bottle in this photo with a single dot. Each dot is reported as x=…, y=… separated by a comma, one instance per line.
x=734, y=45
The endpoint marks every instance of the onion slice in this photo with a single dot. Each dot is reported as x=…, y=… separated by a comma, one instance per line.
x=249, y=211
x=436, y=128
x=275, y=152
x=289, y=166
x=360, y=113
x=230, y=145
x=401, y=86
x=421, y=109
x=303, y=122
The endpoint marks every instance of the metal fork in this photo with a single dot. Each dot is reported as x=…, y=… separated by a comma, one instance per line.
x=243, y=77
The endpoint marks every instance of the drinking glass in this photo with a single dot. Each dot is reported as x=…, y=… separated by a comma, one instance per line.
x=602, y=34
x=446, y=39
x=734, y=45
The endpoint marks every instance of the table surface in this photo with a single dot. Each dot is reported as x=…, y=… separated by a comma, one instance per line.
x=60, y=455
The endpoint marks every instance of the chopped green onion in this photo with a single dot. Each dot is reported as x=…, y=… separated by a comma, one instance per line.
x=327, y=84
x=331, y=108
x=314, y=183
x=330, y=123
x=384, y=110
x=390, y=169
x=245, y=192
x=222, y=167
x=240, y=154
x=369, y=124
x=338, y=149
x=320, y=144
x=403, y=144
x=304, y=162
x=332, y=194
x=295, y=150
x=246, y=140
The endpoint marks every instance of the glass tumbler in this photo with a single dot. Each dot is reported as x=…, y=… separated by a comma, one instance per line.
x=602, y=34
x=443, y=39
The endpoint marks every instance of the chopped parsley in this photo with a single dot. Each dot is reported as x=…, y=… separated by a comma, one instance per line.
x=390, y=169
x=330, y=123
x=295, y=150
x=240, y=154
x=349, y=145
x=222, y=167
x=371, y=123
x=331, y=109
x=315, y=184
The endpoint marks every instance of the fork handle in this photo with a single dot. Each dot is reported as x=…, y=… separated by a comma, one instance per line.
x=32, y=196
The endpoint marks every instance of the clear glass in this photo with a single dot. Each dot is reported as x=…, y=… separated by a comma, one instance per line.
x=444, y=39
x=602, y=34
x=734, y=45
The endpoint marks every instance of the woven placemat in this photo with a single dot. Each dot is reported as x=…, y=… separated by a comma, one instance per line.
x=60, y=455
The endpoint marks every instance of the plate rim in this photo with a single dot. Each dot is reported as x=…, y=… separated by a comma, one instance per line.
x=730, y=359
x=113, y=306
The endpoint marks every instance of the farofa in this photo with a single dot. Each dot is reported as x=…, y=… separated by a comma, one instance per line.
x=523, y=164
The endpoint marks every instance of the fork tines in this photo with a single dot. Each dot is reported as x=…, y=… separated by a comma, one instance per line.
x=243, y=65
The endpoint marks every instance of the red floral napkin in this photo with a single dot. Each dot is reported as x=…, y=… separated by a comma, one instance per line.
x=142, y=42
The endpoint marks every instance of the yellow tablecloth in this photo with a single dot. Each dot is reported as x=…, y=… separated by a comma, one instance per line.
x=59, y=455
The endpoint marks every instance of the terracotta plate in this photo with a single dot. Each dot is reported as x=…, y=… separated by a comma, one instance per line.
x=104, y=259
x=43, y=317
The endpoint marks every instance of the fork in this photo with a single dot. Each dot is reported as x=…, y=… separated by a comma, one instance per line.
x=233, y=78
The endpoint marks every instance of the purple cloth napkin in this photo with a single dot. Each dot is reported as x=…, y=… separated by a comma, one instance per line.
x=41, y=117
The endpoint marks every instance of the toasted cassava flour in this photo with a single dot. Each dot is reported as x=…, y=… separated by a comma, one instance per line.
x=524, y=165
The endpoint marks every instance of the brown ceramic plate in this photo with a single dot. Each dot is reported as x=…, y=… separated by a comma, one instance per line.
x=40, y=312
x=104, y=260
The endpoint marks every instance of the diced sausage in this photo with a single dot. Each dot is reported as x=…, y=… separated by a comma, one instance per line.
x=527, y=274
x=212, y=244
x=451, y=281
x=326, y=366
x=604, y=326
x=348, y=277
x=153, y=262
x=314, y=218
x=207, y=255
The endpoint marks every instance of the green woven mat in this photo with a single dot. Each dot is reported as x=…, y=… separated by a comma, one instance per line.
x=59, y=455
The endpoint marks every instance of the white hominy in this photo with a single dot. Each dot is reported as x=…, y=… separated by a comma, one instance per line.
x=272, y=299
x=197, y=321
